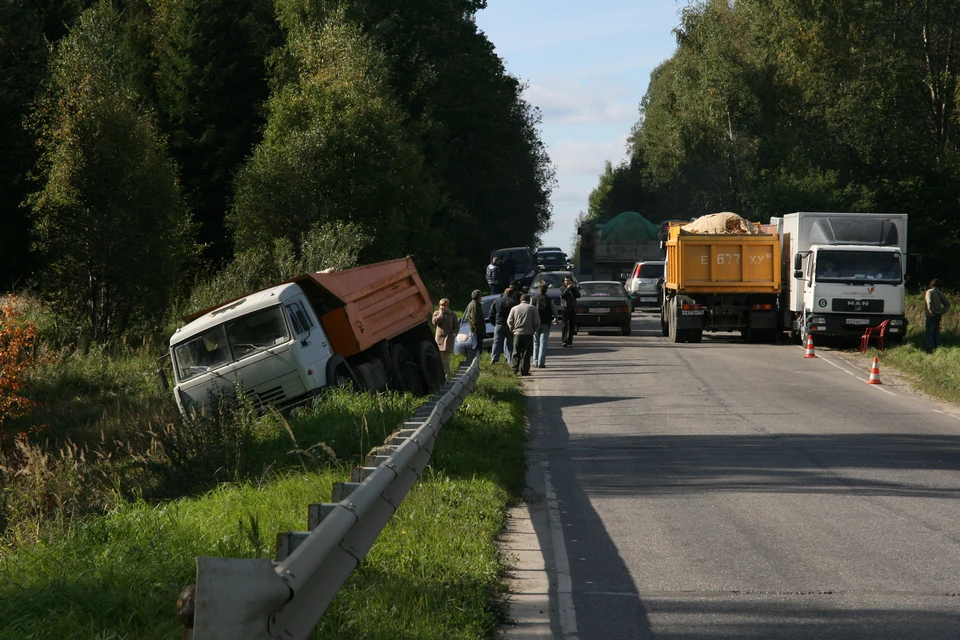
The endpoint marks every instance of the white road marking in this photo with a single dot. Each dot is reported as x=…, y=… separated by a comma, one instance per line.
x=568, y=616
x=855, y=374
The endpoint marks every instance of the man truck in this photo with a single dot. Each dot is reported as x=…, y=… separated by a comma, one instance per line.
x=366, y=327
x=721, y=273
x=842, y=272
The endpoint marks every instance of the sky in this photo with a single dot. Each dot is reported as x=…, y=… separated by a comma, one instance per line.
x=587, y=65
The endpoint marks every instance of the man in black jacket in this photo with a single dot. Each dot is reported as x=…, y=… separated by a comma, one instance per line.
x=502, y=336
x=568, y=308
x=494, y=276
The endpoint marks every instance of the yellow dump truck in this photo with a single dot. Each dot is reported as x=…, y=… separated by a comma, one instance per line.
x=722, y=274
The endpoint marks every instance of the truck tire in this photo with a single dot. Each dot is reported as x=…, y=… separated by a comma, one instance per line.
x=406, y=373
x=664, y=329
x=431, y=366
x=676, y=335
x=344, y=377
x=372, y=374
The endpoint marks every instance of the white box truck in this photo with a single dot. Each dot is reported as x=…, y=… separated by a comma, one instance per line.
x=842, y=272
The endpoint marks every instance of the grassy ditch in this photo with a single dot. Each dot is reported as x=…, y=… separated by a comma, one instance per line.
x=937, y=374
x=113, y=566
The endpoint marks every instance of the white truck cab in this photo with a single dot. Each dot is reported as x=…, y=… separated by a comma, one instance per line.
x=269, y=343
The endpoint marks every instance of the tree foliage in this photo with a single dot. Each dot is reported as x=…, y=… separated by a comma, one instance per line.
x=335, y=148
x=775, y=106
x=108, y=216
x=18, y=343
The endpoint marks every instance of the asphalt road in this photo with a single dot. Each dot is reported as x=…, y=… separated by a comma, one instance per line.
x=724, y=490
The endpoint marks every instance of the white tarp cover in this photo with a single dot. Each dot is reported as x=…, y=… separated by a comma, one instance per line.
x=721, y=224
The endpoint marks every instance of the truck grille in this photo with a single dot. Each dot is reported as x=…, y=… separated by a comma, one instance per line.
x=856, y=305
x=272, y=396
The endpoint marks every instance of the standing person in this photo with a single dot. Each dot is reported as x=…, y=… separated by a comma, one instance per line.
x=936, y=305
x=494, y=276
x=568, y=307
x=474, y=318
x=446, y=335
x=502, y=338
x=509, y=267
x=548, y=315
x=524, y=320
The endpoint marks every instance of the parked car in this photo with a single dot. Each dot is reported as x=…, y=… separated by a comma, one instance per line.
x=554, y=280
x=603, y=303
x=644, y=283
x=525, y=265
x=485, y=303
x=552, y=261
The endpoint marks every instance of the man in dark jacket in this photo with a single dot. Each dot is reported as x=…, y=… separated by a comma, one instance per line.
x=568, y=308
x=502, y=336
x=494, y=276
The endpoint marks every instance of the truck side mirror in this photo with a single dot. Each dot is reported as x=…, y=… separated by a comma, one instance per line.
x=798, y=274
x=798, y=264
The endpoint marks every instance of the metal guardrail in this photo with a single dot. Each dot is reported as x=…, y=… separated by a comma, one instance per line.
x=256, y=599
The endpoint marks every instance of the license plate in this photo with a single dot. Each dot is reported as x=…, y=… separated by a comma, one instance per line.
x=691, y=312
x=600, y=310
x=861, y=321
x=648, y=299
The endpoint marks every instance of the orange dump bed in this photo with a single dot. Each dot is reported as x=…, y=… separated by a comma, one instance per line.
x=376, y=302
x=722, y=263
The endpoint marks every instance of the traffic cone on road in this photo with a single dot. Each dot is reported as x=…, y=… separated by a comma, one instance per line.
x=809, y=353
x=875, y=372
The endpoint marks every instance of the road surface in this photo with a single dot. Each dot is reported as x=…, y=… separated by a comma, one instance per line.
x=724, y=490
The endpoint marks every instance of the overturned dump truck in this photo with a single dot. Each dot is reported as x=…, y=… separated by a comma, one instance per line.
x=364, y=327
x=721, y=274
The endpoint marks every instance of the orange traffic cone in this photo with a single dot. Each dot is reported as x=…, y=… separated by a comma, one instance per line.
x=809, y=353
x=875, y=372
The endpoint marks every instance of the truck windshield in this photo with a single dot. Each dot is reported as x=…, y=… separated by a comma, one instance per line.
x=229, y=342
x=865, y=266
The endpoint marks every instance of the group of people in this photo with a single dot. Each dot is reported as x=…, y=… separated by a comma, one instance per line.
x=499, y=273
x=521, y=325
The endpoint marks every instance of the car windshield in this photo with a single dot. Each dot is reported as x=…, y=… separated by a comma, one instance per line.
x=602, y=290
x=520, y=258
x=650, y=270
x=230, y=341
x=554, y=279
x=552, y=259
x=870, y=266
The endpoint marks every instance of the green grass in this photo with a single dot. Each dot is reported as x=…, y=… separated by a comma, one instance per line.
x=937, y=374
x=433, y=573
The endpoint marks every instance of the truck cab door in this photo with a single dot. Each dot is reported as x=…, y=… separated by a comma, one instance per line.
x=311, y=342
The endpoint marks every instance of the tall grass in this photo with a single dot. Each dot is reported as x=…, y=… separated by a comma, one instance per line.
x=433, y=573
x=937, y=374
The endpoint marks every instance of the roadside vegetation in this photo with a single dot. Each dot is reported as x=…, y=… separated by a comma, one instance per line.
x=937, y=374
x=103, y=520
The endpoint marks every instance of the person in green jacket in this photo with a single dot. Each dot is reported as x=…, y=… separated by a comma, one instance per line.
x=936, y=305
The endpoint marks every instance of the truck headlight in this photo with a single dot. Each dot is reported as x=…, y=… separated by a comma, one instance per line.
x=896, y=323
x=818, y=320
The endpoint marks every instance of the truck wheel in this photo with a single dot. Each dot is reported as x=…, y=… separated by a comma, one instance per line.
x=406, y=373
x=431, y=366
x=664, y=329
x=373, y=375
x=346, y=378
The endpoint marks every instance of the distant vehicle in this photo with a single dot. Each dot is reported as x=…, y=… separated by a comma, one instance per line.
x=485, y=303
x=603, y=304
x=554, y=280
x=546, y=249
x=643, y=283
x=525, y=267
x=610, y=248
x=552, y=261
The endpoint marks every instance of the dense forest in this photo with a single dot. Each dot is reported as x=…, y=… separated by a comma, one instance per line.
x=774, y=106
x=158, y=150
